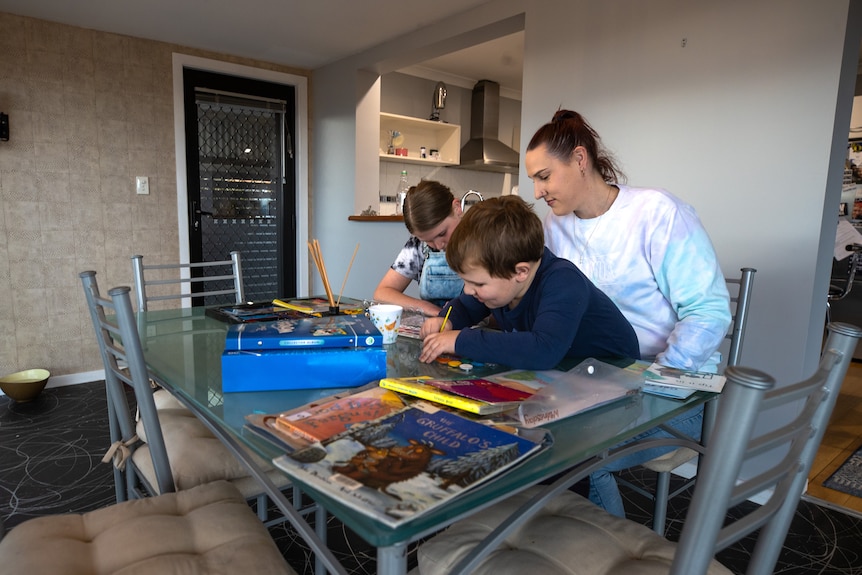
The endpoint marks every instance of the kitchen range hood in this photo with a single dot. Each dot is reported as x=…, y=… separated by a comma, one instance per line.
x=484, y=151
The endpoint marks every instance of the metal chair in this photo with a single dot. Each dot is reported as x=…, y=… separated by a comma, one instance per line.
x=551, y=530
x=664, y=465
x=182, y=277
x=167, y=448
x=839, y=291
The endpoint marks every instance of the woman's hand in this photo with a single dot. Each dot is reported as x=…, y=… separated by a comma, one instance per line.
x=438, y=343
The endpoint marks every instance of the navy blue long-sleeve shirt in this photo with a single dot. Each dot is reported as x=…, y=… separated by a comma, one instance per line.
x=562, y=314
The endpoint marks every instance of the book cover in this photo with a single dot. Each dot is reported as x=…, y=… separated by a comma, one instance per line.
x=397, y=467
x=321, y=420
x=671, y=391
x=672, y=377
x=560, y=394
x=304, y=332
x=269, y=370
x=482, y=389
x=420, y=387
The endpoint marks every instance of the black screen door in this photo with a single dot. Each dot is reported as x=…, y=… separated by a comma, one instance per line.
x=241, y=179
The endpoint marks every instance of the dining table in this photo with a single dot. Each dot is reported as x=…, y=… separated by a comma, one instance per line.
x=183, y=348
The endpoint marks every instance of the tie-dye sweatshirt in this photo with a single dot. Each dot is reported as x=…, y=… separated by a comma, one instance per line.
x=652, y=256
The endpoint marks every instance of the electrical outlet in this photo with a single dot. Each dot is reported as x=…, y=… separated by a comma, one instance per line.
x=142, y=185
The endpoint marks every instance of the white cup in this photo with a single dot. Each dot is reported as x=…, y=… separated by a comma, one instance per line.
x=387, y=319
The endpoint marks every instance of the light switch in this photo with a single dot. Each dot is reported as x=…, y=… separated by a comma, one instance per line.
x=142, y=185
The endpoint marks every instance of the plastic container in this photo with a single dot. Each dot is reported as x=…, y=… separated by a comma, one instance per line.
x=401, y=193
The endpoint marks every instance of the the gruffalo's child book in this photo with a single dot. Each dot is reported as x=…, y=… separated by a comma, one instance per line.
x=404, y=464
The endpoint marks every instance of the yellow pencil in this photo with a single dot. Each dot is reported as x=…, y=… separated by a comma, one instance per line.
x=443, y=325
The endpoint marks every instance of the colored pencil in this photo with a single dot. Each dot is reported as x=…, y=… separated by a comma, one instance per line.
x=445, y=319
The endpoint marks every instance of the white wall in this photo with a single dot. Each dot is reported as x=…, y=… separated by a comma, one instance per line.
x=740, y=122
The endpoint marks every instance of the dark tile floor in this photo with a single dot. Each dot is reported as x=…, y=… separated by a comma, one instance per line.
x=50, y=453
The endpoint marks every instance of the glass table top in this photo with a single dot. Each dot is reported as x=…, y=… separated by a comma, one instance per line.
x=183, y=349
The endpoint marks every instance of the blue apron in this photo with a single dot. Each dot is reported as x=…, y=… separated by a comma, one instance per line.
x=437, y=282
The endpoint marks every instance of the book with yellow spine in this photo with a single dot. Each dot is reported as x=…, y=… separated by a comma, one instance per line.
x=416, y=387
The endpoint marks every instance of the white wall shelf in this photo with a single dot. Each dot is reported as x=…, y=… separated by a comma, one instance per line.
x=446, y=138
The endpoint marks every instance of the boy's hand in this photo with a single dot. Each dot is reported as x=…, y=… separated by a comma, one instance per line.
x=436, y=344
x=432, y=325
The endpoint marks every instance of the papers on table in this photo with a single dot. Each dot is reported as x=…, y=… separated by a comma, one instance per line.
x=677, y=383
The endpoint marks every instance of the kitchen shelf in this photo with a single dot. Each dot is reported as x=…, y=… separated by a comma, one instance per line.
x=440, y=136
x=375, y=218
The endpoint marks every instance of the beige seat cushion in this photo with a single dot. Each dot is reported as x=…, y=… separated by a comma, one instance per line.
x=163, y=399
x=570, y=536
x=671, y=460
x=207, y=530
x=197, y=456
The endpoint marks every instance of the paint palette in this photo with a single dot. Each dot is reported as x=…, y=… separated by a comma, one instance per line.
x=456, y=362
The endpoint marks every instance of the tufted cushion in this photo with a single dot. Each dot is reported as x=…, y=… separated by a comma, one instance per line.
x=671, y=460
x=570, y=536
x=207, y=530
x=197, y=456
x=163, y=399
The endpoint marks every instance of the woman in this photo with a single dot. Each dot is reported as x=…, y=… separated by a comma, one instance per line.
x=431, y=214
x=645, y=248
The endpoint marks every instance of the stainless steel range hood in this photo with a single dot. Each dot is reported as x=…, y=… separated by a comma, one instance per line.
x=484, y=151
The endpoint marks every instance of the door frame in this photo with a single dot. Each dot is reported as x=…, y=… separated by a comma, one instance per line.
x=300, y=148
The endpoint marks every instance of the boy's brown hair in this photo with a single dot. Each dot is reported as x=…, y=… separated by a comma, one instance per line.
x=496, y=234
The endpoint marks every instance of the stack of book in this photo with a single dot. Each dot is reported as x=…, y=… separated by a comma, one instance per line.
x=302, y=353
x=678, y=383
x=391, y=459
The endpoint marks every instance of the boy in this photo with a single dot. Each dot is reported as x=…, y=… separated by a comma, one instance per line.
x=545, y=307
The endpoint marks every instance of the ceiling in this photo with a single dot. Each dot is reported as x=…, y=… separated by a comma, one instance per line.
x=294, y=33
x=500, y=60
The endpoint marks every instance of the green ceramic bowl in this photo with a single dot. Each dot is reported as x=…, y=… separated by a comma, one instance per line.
x=25, y=385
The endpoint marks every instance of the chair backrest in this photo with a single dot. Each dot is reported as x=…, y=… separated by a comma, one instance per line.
x=739, y=303
x=182, y=282
x=123, y=358
x=842, y=289
x=747, y=395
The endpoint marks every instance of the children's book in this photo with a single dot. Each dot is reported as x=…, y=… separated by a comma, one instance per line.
x=318, y=306
x=660, y=379
x=305, y=332
x=639, y=368
x=671, y=391
x=318, y=422
x=321, y=419
x=402, y=465
x=559, y=394
x=483, y=389
x=421, y=387
x=298, y=368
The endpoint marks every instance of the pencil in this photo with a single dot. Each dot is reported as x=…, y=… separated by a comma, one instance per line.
x=343, y=283
x=443, y=325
